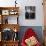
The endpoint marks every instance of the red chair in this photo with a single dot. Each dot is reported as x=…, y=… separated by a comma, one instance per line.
x=29, y=33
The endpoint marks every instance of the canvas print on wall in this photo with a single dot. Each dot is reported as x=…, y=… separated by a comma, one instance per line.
x=29, y=12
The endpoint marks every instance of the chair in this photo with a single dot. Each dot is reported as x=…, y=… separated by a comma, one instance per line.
x=29, y=33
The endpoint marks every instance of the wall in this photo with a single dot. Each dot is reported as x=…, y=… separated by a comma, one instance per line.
x=38, y=21
x=37, y=30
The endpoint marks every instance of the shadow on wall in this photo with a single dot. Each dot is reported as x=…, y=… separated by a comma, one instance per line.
x=37, y=29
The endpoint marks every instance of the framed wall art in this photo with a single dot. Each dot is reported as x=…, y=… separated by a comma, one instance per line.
x=29, y=12
x=5, y=12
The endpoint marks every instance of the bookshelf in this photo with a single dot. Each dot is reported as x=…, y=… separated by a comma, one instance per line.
x=9, y=23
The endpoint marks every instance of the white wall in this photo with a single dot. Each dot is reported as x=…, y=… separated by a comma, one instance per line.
x=38, y=21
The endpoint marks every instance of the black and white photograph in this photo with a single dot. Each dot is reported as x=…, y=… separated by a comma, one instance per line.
x=29, y=12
